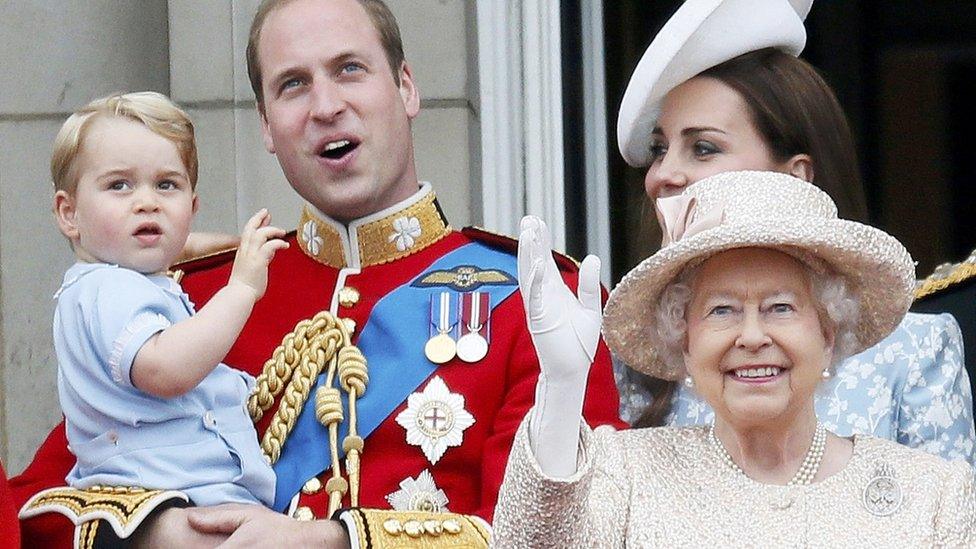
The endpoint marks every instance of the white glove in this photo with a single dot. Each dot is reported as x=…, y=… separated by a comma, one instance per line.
x=565, y=332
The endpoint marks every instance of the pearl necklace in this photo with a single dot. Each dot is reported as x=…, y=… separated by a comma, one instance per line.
x=809, y=467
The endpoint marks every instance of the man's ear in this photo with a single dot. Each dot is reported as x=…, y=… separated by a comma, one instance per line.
x=801, y=167
x=65, y=215
x=408, y=91
x=265, y=129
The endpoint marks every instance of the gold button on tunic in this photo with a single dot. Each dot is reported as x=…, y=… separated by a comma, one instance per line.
x=348, y=296
x=312, y=486
x=303, y=513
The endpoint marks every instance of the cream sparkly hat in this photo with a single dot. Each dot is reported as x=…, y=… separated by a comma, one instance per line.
x=767, y=210
x=699, y=36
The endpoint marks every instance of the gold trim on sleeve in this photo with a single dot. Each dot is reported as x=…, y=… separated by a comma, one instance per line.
x=383, y=529
x=86, y=533
x=123, y=508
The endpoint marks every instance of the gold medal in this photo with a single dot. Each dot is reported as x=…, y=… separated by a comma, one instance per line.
x=440, y=348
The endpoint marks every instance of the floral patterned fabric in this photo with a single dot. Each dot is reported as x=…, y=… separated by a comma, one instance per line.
x=911, y=388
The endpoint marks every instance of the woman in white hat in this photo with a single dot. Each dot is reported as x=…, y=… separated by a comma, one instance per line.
x=758, y=289
x=720, y=88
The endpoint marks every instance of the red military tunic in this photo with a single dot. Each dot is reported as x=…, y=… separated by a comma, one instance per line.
x=9, y=527
x=376, y=256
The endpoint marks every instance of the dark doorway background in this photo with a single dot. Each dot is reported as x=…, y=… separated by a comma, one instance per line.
x=905, y=73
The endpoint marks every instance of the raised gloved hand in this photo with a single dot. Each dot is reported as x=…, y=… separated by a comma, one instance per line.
x=565, y=330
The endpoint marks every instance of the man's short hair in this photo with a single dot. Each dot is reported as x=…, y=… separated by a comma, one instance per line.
x=383, y=21
x=153, y=110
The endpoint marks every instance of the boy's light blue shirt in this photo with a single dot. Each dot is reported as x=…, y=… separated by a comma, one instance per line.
x=202, y=443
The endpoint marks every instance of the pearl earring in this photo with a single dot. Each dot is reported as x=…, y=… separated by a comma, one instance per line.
x=825, y=374
x=689, y=383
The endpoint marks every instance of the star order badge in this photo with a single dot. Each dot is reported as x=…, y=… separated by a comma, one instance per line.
x=419, y=494
x=435, y=419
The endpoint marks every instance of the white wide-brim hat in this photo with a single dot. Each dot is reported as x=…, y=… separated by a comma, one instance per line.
x=766, y=210
x=699, y=36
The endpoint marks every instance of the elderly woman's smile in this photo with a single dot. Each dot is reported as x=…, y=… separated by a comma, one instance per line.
x=755, y=345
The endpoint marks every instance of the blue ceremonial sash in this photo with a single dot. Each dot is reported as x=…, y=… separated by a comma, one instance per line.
x=393, y=343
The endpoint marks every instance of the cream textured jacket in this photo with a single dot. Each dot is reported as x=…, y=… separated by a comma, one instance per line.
x=668, y=487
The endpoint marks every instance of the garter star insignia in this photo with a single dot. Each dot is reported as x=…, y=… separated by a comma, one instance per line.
x=435, y=419
x=465, y=278
x=419, y=494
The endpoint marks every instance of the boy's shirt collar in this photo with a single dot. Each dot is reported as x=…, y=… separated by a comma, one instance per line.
x=78, y=271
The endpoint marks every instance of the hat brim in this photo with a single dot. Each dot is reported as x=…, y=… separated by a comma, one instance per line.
x=701, y=35
x=878, y=269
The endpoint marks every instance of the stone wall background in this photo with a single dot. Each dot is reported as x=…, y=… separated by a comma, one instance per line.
x=59, y=55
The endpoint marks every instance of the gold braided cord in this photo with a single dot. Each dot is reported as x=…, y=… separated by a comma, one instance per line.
x=328, y=410
x=320, y=344
x=292, y=370
x=938, y=282
x=278, y=369
x=353, y=377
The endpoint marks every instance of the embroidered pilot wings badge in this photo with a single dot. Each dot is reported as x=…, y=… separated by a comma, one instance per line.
x=465, y=278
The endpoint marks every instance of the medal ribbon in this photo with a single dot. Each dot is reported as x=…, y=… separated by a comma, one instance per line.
x=475, y=312
x=440, y=314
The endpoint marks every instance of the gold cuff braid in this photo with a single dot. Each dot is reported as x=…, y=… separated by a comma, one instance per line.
x=123, y=508
x=385, y=529
x=321, y=344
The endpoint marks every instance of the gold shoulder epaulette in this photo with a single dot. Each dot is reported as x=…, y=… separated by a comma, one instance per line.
x=508, y=242
x=122, y=507
x=382, y=529
x=945, y=276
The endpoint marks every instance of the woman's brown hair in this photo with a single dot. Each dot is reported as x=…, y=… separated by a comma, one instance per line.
x=796, y=112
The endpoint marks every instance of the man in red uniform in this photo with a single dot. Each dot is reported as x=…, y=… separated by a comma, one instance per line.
x=450, y=365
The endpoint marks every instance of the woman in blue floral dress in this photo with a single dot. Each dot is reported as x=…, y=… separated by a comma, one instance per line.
x=723, y=104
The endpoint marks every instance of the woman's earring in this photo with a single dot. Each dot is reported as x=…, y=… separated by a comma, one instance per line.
x=689, y=383
x=826, y=373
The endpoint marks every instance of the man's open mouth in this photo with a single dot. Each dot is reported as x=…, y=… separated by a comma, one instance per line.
x=334, y=150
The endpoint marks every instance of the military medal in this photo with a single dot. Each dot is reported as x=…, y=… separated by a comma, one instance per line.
x=473, y=346
x=440, y=348
x=435, y=419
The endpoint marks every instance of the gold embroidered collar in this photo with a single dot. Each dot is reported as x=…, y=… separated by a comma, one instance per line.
x=385, y=236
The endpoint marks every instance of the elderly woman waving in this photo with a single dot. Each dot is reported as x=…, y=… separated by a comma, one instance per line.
x=757, y=289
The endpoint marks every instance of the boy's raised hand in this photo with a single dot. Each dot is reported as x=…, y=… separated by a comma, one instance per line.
x=259, y=242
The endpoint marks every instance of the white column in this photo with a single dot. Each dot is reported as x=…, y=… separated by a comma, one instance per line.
x=595, y=135
x=521, y=114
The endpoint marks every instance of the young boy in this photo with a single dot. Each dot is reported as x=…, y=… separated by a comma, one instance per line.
x=145, y=398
